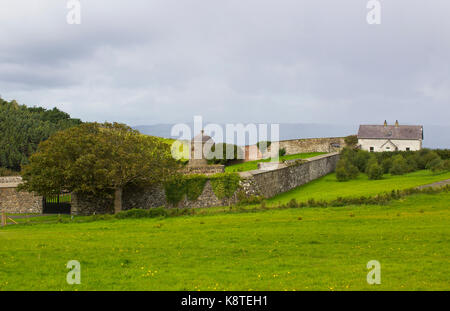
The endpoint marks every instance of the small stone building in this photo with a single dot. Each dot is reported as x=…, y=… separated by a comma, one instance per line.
x=198, y=163
x=379, y=138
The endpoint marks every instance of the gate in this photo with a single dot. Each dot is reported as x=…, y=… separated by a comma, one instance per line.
x=58, y=204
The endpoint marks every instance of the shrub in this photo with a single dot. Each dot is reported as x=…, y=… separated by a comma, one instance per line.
x=351, y=141
x=444, y=154
x=142, y=213
x=194, y=186
x=282, y=152
x=7, y=172
x=263, y=145
x=436, y=165
x=375, y=171
x=346, y=171
x=386, y=164
x=237, y=153
x=447, y=165
x=361, y=160
x=175, y=190
x=399, y=165
x=225, y=184
x=243, y=199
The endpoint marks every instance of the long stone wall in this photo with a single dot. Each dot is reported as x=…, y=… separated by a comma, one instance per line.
x=266, y=182
x=292, y=174
x=12, y=201
x=328, y=144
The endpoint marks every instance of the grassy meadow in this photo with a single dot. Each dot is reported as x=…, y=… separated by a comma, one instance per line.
x=289, y=249
x=328, y=188
x=223, y=249
x=253, y=165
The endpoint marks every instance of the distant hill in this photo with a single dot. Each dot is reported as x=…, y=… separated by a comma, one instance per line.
x=22, y=128
x=287, y=130
x=436, y=136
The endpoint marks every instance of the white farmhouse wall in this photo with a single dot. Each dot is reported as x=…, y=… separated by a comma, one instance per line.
x=383, y=144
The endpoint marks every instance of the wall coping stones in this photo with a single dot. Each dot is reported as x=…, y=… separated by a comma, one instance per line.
x=10, y=181
x=249, y=174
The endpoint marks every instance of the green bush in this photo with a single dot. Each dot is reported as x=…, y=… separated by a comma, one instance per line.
x=346, y=171
x=386, y=164
x=436, y=165
x=361, y=160
x=225, y=184
x=7, y=172
x=444, y=154
x=263, y=145
x=142, y=213
x=447, y=165
x=175, y=190
x=351, y=141
x=399, y=165
x=190, y=186
x=282, y=152
x=375, y=171
x=236, y=152
x=194, y=185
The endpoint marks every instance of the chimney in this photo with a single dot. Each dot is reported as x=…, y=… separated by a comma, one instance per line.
x=385, y=123
x=396, y=123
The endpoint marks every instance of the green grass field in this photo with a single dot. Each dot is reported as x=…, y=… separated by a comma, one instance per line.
x=219, y=249
x=290, y=249
x=328, y=188
x=253, y=165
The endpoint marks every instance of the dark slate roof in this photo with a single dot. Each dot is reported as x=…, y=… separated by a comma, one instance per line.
x=391, y=131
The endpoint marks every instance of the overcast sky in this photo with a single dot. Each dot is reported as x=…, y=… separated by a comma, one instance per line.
x=163, y=61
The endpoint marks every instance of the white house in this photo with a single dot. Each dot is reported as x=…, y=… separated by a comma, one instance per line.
x=378, y=138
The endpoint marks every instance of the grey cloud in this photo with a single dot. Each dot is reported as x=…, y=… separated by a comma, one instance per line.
x=162, y=61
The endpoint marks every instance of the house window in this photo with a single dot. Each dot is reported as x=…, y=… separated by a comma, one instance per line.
x=388, y=148
x=372, y=149
x=408, y=149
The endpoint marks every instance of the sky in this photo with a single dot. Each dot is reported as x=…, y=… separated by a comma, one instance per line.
x=287, y=61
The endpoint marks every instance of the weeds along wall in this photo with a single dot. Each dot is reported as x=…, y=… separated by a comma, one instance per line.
x=196, y=191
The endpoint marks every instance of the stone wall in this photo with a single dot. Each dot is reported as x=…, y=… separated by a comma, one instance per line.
x=12, y=201
x=266, y=182
x=312, y=145
x=204, y=170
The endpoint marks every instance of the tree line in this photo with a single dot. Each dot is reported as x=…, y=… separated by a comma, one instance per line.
x=22, y=128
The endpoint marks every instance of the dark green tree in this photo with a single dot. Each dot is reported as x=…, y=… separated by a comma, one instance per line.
x=98, y=159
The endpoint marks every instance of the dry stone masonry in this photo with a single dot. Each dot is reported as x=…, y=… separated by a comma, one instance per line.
x=12, y=201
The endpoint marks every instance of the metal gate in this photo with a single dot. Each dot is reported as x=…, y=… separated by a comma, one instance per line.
x=58, y=204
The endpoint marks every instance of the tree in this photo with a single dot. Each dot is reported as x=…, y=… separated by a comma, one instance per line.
x=374, y=170
x=436, y=165
x=23, y=128
x=98, y=159
x=361, y=160
x=351, y=141
x=399, y=165
x=346, y=171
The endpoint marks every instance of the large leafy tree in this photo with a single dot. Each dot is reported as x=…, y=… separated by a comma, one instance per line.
x=99, y=159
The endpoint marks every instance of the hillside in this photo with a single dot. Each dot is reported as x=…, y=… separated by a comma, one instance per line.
x=23, y=128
